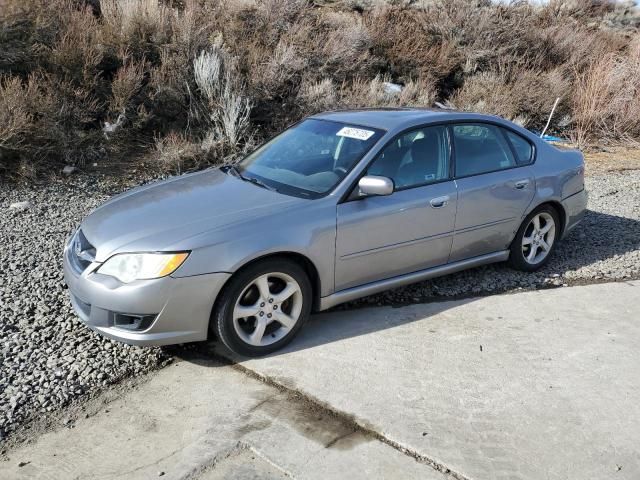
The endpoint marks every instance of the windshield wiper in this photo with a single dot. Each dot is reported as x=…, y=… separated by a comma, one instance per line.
x=235, y=172
x=231, y=169
x=260, y=183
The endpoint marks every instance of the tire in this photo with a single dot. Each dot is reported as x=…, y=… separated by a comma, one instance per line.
x=251, y=318
x=520, y=256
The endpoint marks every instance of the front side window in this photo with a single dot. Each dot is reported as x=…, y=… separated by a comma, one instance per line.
x=480, y=148
x=419, y=157
x=310, y=158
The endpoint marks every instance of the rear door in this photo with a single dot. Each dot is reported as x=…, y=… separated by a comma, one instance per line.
x=409, y=230
x=495, y=186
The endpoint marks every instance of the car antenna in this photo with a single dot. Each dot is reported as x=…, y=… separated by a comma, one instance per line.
x=555, y=104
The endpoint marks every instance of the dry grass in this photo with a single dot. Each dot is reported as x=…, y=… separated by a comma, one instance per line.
x=15, y=117
x=203, y=81
x=175, y=150
x=612, y=159
x=607, y=97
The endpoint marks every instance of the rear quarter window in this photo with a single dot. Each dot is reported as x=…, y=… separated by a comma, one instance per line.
x=522, y=148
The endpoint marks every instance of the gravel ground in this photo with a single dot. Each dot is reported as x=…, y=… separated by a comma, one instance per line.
x=48, y=358
x=605, y=246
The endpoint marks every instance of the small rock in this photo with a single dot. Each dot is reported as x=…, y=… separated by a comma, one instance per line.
x=20, y=206
x=69, y=169
x=160, y=474
x=22, y=464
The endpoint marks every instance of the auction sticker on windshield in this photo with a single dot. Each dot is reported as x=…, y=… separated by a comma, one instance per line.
x=357, y=133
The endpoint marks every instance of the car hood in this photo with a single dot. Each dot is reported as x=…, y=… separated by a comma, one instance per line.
x=164, y=215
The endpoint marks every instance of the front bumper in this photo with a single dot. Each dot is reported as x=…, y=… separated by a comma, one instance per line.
x=179, y=308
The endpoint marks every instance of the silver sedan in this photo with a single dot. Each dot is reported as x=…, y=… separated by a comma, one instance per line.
x=339, y=206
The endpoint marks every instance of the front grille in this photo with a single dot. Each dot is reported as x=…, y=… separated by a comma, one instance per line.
x=81, y=252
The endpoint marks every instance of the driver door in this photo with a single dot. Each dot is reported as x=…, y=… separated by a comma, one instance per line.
x=409, y=230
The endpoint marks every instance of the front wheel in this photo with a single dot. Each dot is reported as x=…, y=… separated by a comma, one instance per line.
x=263, y=307
x=535, y=240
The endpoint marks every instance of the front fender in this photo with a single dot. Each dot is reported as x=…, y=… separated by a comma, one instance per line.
x=309, y=231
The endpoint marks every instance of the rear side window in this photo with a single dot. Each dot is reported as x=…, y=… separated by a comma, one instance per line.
x=480, y=148
x=522, y=147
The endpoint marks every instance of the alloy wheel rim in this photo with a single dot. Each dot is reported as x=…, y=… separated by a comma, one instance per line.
x=538, y=238
x=268, y=308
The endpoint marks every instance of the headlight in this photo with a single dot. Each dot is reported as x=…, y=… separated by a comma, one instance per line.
x=128, y=267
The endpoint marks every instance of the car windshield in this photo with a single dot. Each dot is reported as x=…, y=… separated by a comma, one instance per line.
x=310, y=158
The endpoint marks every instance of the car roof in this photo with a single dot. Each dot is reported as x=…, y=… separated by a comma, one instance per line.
x=397, y=118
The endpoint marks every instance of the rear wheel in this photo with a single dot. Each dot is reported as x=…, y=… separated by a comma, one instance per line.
x=535, y=240
x=263, y=307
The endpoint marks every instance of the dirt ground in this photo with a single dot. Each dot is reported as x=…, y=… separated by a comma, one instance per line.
x=612, y=159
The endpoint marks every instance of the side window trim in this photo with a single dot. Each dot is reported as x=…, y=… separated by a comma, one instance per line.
x=449, y=152
x=532, y=154
x=503, y=129
x=350, y=193
x=452, y=167
x=511, y=147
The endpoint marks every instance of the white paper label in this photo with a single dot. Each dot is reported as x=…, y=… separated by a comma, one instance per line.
x=357, y=133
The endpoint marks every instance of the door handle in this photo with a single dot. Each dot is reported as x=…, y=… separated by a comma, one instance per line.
x=521, y=184
x=439, y=202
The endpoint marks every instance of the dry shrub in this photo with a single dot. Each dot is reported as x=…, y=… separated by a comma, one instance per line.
x=319, y=96
x=26, y=30
x=46, y=118
x=344, y=51
x=379, y=92
x=139, y=26
x=128, y=18
x=526, y=95
x=175, y=150
x=15, y=115
x=278, y=15
x=413, y=44
x=275, y=75
x=168, y=91
x=225, y=109
x=581, y=44
x=607, y=98
x=204, y=79
x=191, y=28
x=126, y=84
x=76, y=54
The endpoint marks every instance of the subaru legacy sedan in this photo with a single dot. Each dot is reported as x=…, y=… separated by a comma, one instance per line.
x=339, y=206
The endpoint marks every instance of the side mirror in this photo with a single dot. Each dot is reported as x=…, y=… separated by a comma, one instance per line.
x=375, y=185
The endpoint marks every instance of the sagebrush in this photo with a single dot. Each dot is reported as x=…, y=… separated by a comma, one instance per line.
x=191, y=83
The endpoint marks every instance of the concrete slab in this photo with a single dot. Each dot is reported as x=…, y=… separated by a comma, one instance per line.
x=532, y=385
x=202, y=420
x=246, y=464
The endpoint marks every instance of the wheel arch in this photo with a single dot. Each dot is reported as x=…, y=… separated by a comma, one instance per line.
x=557, y=206
x=302, y=260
